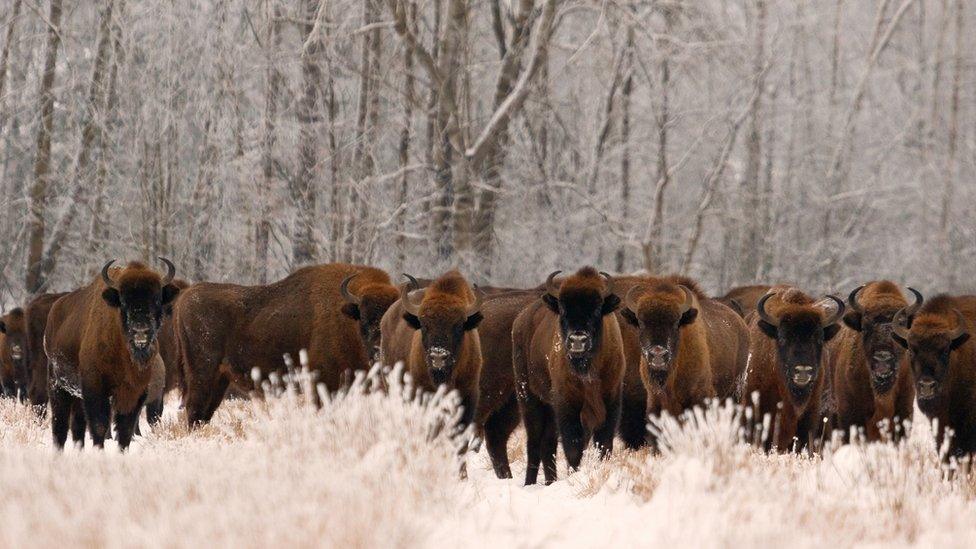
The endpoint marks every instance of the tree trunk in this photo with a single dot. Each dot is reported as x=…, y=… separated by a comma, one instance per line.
x=951, y=253
x=304, y=188
x=749, y=259
x=404, y=149
x=42, y=160
x=269, y=139
x=621, y=258
x=5, y=61
x=653, y=247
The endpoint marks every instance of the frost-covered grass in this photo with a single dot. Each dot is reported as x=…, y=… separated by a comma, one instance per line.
x=368, y=470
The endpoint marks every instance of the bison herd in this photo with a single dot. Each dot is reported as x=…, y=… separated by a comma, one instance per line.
x=582, y=358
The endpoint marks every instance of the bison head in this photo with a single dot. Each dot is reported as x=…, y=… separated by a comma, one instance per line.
x=140, y=295
x=581, y=302
x=800, y=330
x=443, y=313
x=659, y=313
x=873, y=318
x=366, y=306
x=14, y=327
x=930, y=338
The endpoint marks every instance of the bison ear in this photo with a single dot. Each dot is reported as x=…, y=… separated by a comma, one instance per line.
x=551, y=302
x=629, y=316
x=959, y=341
x=111, y=296
x=737, y=307
x=853, y=320
x=768, y=329
x=830, y=331
x=689, y=317
x=351, y=310
x=472, y=322
x=412, y=320
x=169, y=293
x=610, y=304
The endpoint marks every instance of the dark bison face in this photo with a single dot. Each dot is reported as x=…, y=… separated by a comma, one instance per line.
x=581, y=303
x=442, y=320
x=659, y=317
x=140, y=298
x=930, y=351
x=800, y=333
x=876, y=327
x=367, y=309
x=14, y=327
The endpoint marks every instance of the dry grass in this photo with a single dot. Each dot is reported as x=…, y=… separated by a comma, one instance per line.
x=364, y=472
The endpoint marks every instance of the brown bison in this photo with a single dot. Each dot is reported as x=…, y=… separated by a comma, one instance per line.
x=226, y=330
x=692, y=348
x=497, y=413
x=787, y=334
x=433, y=332
x=101, y=346
x=568, y=359
x=36, y=319
x=870, y=374
x=943, y=366
x=169, y=352
x=13, y=364
x=743, y=299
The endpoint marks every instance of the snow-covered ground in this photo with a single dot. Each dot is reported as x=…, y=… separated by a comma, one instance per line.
x=365, y=470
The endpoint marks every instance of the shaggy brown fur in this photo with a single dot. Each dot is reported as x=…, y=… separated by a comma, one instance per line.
x=743, y=299
x=13, y=362
x=578, y=392
x=169, y=352
x=93, y=345
x=443, y=322
x=944, y=368
x=226, y=330
x=864, y=396
x=36, y=316
x=703, y=350
x=775, y=354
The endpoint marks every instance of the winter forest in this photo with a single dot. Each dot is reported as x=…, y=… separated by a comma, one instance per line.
x=820, y=142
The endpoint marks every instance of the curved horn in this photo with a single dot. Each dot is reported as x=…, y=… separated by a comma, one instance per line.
x=344, y=290
x=689, y=299
x=960, y=326
x=914, y=307
x=852, y=300
x=838, y=314
x=630, y=300
x=551, y=287
x=609, y=288
x=108, y=280
x=899, y=324
x=170, y=271
x=479, y=297
x=408, y=304
x=761, y=310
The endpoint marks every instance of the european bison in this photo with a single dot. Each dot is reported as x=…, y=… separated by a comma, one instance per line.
x=743, y=299
x=226, y=330
x=787, y=334
x=36, y=318
x=692, y=348
x=943, y=366
x=870, y=374
x=169, y=352
x=101, y=345
x=433, y=331
x=13, y=366
x=569, y=366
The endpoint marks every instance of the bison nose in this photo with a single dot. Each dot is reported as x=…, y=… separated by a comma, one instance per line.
x=438, y=357
x=883, y=356
x=657, y=356
x=926, y=388
x=141, y=334
x=802, y=375
x=16, y=352
x=578, y=342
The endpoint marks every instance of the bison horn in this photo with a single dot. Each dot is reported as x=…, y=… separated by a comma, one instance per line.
x=761, y=310
x=609, y=288
x=408, y=304
x=689, y=299
x=960, y=326
x=852, y=300
x=916, y=305
x=170, y=271
x=837, y=314
x=551, y=287
x=478, y=299
x=899, y=323
x=344, y=290
x=630, y=301
x=108, y=280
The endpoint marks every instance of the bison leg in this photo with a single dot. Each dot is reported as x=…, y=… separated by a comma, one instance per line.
x=574, y=437
x=633, y=423
x=78, y=423
x=98, y=411
x=498, y=429
x=603, y=435
x=216, y=397
x=540, y=422
x=125, y=423
x=154, y=411
x=61, y=403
